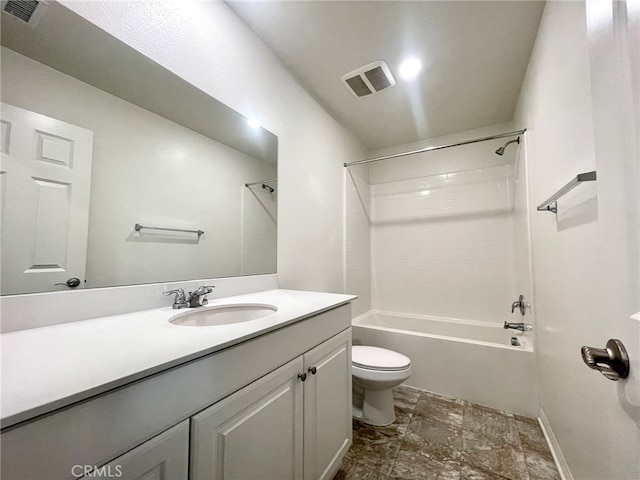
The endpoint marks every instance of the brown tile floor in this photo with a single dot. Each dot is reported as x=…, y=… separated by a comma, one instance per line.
x=436, y=437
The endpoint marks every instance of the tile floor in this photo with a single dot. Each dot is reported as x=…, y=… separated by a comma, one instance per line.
x=436, y=437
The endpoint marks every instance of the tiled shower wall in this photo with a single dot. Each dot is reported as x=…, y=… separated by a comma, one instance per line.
x=442, y=245
x=446, y=233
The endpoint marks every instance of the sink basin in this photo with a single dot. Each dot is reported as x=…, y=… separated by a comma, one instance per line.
x=222, y=315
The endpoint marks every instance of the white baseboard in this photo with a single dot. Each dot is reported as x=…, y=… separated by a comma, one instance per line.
x=554, y=446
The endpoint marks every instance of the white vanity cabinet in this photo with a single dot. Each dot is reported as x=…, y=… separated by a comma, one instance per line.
x=293, y=423
x=240, y=412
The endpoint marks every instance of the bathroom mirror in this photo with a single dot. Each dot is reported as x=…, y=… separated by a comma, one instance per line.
x=99, y=143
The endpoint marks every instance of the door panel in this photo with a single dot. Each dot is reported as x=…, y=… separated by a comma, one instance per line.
x=46, y=177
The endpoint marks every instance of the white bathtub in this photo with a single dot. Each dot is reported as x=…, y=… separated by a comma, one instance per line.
x=469, y=360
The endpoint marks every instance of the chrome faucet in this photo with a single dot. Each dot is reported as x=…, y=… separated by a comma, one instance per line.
x=523, y=327
x=198, y=297
x=195, y=299
x=180, y=300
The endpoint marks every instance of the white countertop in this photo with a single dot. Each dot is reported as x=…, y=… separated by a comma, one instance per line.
x=47, y=368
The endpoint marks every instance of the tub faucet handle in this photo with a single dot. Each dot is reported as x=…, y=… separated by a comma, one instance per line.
x=520, y=304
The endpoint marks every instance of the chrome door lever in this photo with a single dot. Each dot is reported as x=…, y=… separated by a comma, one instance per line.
x=611, y=361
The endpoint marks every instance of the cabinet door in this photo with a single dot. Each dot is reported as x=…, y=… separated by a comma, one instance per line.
x=165, y=457
x=256, y=433
x=327, y=406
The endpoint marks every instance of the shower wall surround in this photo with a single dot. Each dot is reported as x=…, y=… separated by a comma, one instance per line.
x=447, y=229
x=442, y=245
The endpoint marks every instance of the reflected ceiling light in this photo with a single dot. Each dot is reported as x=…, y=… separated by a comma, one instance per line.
x=410, y=68
x=253, y=123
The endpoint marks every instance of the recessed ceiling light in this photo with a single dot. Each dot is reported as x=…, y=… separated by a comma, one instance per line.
x=410, y=68
x=253, y=123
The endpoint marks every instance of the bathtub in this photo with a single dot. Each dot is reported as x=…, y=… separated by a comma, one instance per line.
x=469, y=360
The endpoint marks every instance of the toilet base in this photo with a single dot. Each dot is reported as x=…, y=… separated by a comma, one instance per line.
x=377, y=408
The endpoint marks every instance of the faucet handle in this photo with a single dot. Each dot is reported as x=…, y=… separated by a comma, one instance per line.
x=179, y=295
x=203, y=290
x=520, y=304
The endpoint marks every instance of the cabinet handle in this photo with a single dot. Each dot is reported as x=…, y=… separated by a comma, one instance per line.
x=313, y=370
x=302, y=376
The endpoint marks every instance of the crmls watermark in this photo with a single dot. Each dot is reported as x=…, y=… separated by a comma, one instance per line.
x=90, y=471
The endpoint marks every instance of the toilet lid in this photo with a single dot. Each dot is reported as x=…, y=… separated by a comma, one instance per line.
x=376, y=358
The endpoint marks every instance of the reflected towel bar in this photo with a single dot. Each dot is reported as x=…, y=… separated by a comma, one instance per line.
x=260, y=181
x=139, y=227
x=550, y=205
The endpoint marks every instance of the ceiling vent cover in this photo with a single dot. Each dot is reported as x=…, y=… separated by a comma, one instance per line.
x=28, y=11
x=371, y=78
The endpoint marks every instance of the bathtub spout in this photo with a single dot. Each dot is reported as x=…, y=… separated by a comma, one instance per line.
x=523, y=327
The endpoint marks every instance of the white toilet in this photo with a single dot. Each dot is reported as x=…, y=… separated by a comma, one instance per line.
x=375, y=372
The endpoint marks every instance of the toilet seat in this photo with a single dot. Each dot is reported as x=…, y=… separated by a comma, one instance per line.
x=378, y=359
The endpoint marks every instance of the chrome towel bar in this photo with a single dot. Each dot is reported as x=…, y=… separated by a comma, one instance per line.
x=550, y=204
x=139, y=227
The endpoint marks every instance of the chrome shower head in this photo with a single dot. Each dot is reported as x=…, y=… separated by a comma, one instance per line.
x=500, y=151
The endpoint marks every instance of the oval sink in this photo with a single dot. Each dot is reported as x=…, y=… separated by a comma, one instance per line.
x=222, y=315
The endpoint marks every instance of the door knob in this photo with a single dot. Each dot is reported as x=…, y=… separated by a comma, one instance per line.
x=73, y=282
x=302, y=376
x=312, y=370
x=611, y=361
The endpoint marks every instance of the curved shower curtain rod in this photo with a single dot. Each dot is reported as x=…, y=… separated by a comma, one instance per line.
x=438, y=147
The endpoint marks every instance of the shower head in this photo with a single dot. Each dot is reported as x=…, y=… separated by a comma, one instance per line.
x=500, y=151
x=268, y=188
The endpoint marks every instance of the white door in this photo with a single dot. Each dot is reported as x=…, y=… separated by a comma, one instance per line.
x=327, y=407
x=255, y=434
x=165, y=457
x=613, y=29
x=45, y=179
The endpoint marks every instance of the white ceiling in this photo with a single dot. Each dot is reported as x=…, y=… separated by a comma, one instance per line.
x=474, y=57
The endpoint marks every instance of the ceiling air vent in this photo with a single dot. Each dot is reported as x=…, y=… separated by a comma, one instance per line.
x=369, y=79
x=28, y=11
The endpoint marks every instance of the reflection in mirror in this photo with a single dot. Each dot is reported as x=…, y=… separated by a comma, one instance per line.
x=96, y=139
